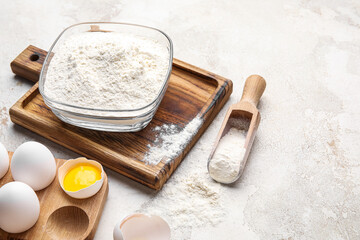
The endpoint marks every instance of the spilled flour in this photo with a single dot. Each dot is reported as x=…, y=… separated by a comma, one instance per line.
x=4, y=117
x=171, y=141
x=190, y=201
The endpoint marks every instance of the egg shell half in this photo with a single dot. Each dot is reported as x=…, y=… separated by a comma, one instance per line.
x=85, y=192
x=142, y=226
x=4, y=160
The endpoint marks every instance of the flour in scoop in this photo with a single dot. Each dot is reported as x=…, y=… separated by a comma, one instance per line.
x=107, y=70
x=228, y=159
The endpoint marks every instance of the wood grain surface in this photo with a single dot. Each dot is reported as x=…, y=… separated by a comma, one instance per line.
x=61, y=216
x=191, y=92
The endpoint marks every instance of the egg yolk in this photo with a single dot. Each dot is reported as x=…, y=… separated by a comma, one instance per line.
x=81, y=176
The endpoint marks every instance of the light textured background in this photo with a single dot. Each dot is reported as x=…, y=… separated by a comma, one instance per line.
x=302, y=180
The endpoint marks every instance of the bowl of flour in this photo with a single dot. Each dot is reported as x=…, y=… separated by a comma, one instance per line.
x=107, y=76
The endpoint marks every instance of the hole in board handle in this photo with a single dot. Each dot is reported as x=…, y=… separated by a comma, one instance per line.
x=34, y=57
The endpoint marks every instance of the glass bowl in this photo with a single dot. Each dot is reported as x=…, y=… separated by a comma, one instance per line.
x=114, y=120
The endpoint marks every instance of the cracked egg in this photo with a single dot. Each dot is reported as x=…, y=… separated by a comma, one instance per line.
x=81, y=178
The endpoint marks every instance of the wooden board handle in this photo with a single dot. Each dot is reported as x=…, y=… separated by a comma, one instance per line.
x=28, y=64
x=253, y=89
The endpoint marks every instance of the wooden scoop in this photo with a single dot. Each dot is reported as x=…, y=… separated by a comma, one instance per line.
x=242, y=112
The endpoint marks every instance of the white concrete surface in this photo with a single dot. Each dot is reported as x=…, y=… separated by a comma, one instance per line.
x=302, y=180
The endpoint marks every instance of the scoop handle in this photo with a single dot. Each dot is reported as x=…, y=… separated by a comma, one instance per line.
x=253, y=89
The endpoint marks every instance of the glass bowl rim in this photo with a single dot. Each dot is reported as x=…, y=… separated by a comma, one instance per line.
x=166, y=79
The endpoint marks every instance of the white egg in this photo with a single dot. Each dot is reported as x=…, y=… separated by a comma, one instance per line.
x=19, y=207
x=33, y=164
x=4, y=160
x=142, y=226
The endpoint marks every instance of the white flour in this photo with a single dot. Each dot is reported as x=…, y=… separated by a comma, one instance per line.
x=192, y=199
x=171, y=141
x=188, y=201
x=227, y=160
x=107, y=71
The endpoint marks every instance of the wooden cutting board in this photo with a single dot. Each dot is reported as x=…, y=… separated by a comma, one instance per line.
x=61, y=216
x=191, y=92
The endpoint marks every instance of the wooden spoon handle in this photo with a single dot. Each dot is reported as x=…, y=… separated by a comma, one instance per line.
x=28, y=64
x=253, y=89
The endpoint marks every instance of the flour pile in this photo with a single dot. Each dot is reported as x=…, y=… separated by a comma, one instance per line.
x=171, y=141
x=188, y=202
x=107, y=70
x=228, y=159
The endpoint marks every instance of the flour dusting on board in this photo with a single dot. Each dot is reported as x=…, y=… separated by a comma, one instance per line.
x=171, y=141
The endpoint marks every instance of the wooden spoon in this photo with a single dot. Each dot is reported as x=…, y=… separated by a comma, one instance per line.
x=243, y=115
